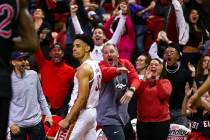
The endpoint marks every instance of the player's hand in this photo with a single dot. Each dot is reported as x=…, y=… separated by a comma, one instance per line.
x=63, y=123
x=191, y=103
x=15, y=129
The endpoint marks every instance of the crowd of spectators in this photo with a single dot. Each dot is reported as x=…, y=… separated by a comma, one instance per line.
x=164, y=45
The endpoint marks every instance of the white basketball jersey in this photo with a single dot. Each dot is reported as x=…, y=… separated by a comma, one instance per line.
x=94, y=86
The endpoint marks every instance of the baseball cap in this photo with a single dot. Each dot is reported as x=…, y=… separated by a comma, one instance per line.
x=176, y=46
x=56, y=45
x=18, y=55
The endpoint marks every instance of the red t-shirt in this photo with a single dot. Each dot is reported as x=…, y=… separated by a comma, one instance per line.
x=55, y=79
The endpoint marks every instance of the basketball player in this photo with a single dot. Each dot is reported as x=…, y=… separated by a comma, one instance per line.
x=14, y=17
x=81, y=118
x=205, y=87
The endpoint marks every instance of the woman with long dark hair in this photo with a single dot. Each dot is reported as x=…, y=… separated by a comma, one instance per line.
x=197, y=36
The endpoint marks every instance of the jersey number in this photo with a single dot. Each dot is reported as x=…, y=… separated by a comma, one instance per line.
x=7, y=11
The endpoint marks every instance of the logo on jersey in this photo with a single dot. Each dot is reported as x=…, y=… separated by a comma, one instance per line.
x=7, y=13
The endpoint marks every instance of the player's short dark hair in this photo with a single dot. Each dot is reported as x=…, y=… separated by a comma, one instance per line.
x=87, y=39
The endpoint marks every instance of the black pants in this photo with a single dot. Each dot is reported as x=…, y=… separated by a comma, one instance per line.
x=35, y=133
x=153, y=130
x=119, y=132
x=129, y=132
x=4, y=111
x=114, y=132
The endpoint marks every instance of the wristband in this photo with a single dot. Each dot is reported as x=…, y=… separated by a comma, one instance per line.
x=131, y=89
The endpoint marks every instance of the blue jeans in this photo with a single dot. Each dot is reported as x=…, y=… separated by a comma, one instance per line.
x=178, y=118
x=114, y=132
x=35, y=133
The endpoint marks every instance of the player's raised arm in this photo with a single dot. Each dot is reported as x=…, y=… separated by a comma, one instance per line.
x=28, y=40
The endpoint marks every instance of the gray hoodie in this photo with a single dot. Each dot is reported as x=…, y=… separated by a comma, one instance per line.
x=109, y=110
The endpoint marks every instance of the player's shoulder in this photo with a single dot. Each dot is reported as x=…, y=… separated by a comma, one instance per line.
x=90, y=62
x=85, y=67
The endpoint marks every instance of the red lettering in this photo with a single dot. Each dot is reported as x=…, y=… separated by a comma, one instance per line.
x=62, y=134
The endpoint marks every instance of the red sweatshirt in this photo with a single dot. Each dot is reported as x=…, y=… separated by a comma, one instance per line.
x=153, y=101
x=108, y=73
x=55, y=79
